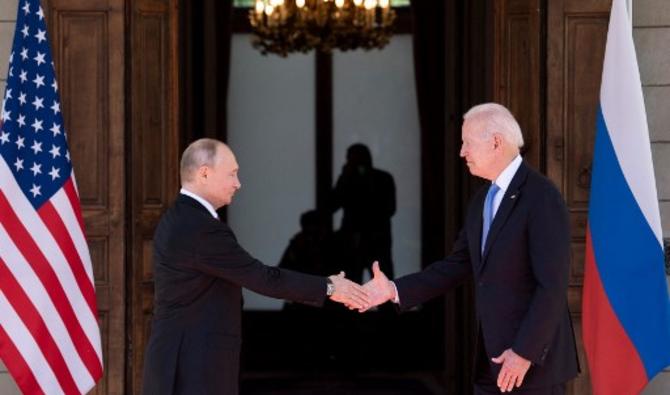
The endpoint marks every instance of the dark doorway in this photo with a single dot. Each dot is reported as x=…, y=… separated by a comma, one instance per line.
x=423, y=351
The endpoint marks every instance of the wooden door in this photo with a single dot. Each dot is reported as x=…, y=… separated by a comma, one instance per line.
x=87, y=38
x=576, y=34
x=518, y=69
x=154, y=154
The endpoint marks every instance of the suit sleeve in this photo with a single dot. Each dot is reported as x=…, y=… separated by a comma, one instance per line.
x=548, y=249
x=438, y=278
x=219, y=254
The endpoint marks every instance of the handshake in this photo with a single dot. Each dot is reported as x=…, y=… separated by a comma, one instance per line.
x=363, y=297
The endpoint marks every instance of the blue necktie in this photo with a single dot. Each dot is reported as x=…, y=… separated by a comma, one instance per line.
x=488, y=212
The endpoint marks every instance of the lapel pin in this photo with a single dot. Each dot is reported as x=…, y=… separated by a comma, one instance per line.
x=513, y=196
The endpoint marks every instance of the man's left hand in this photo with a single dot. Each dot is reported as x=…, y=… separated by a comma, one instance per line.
x=514, y=369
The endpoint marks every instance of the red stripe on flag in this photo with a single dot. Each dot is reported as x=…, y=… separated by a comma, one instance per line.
x=615, y=365
x=57, y=228
x=37, y=327
x=72, y=196
x=19, y=369
x=42, y=268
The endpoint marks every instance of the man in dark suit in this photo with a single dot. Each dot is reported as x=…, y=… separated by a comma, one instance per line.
x=199, y=272
x=515, y=245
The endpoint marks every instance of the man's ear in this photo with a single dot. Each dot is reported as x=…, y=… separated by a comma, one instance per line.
x=203, y=171
x=497, y=140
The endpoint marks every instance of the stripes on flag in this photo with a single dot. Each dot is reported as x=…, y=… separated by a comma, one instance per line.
x=626, y=309
x=49, y=335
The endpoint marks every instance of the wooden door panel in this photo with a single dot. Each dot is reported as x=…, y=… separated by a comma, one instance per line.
x=576, y=34
x=517, y=69
x=88, y=42
x=155, y=154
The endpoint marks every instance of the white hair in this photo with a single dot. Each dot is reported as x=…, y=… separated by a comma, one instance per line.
x=199, y=153
x=496, y=118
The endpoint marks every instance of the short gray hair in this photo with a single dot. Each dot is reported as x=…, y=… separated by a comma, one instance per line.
x=495, y=117
x=201, y=152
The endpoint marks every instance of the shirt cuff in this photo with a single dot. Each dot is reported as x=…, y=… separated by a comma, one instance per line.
x=396, y=300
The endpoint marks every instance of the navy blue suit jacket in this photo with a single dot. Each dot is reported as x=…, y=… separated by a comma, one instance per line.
x=199, y=272
x=521, y=278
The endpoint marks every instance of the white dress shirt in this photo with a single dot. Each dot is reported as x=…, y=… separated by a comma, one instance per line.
x=200, y=200
x=503, y=181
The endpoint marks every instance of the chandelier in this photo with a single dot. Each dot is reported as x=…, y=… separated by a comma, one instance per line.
x=286, y=26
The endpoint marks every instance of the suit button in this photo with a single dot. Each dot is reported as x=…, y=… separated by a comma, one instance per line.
x=481, y=283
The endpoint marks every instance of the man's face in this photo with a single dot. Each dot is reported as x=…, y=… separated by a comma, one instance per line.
x=478, y=149
x=221, y=182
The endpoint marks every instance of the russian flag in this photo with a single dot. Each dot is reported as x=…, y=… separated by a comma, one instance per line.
x=626, y=308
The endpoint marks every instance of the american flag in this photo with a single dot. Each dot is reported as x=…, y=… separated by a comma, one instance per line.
x=49, y=335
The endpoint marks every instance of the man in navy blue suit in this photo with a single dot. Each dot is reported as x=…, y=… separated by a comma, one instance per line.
x=516, y=246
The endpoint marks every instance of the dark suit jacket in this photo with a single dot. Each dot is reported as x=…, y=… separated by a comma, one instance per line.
x=199, y=272
x=521, y=278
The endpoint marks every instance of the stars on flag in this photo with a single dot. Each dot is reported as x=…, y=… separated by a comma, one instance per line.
x=54, y=151
x=54, y=173
x=39, y=58
x=41, y=35
x=38, y=81
x=32, y=139
x=6, y=115
x=18, y=164
x=38, y=103
x=36, y=169
x=55, y=129
x=36, y=147
x=21, y=120
x=55, y=107
x=20, y=142
x=37, y=125
x=35, y=190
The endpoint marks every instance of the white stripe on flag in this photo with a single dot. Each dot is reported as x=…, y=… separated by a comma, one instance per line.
x=24, y=342
x=34, y=288
x=622, y=103
x=49, y=248
x=65, y=210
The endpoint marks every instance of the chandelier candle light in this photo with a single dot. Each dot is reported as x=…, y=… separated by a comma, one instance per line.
x=286, y=26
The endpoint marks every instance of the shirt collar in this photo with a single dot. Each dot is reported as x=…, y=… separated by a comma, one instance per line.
x=505, y=177
x=200, y=200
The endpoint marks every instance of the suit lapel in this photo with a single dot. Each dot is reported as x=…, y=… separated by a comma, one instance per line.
x=506, y=207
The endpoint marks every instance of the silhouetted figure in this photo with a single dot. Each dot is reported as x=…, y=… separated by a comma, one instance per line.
x=367, y=198
x=310, y=250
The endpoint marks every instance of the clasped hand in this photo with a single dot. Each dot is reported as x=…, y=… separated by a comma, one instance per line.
x=362, y=298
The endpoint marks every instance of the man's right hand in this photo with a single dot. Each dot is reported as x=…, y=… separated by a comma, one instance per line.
x=379, y=289
x=349, y=293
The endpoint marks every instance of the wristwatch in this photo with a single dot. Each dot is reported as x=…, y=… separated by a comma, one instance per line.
x=330, y=287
